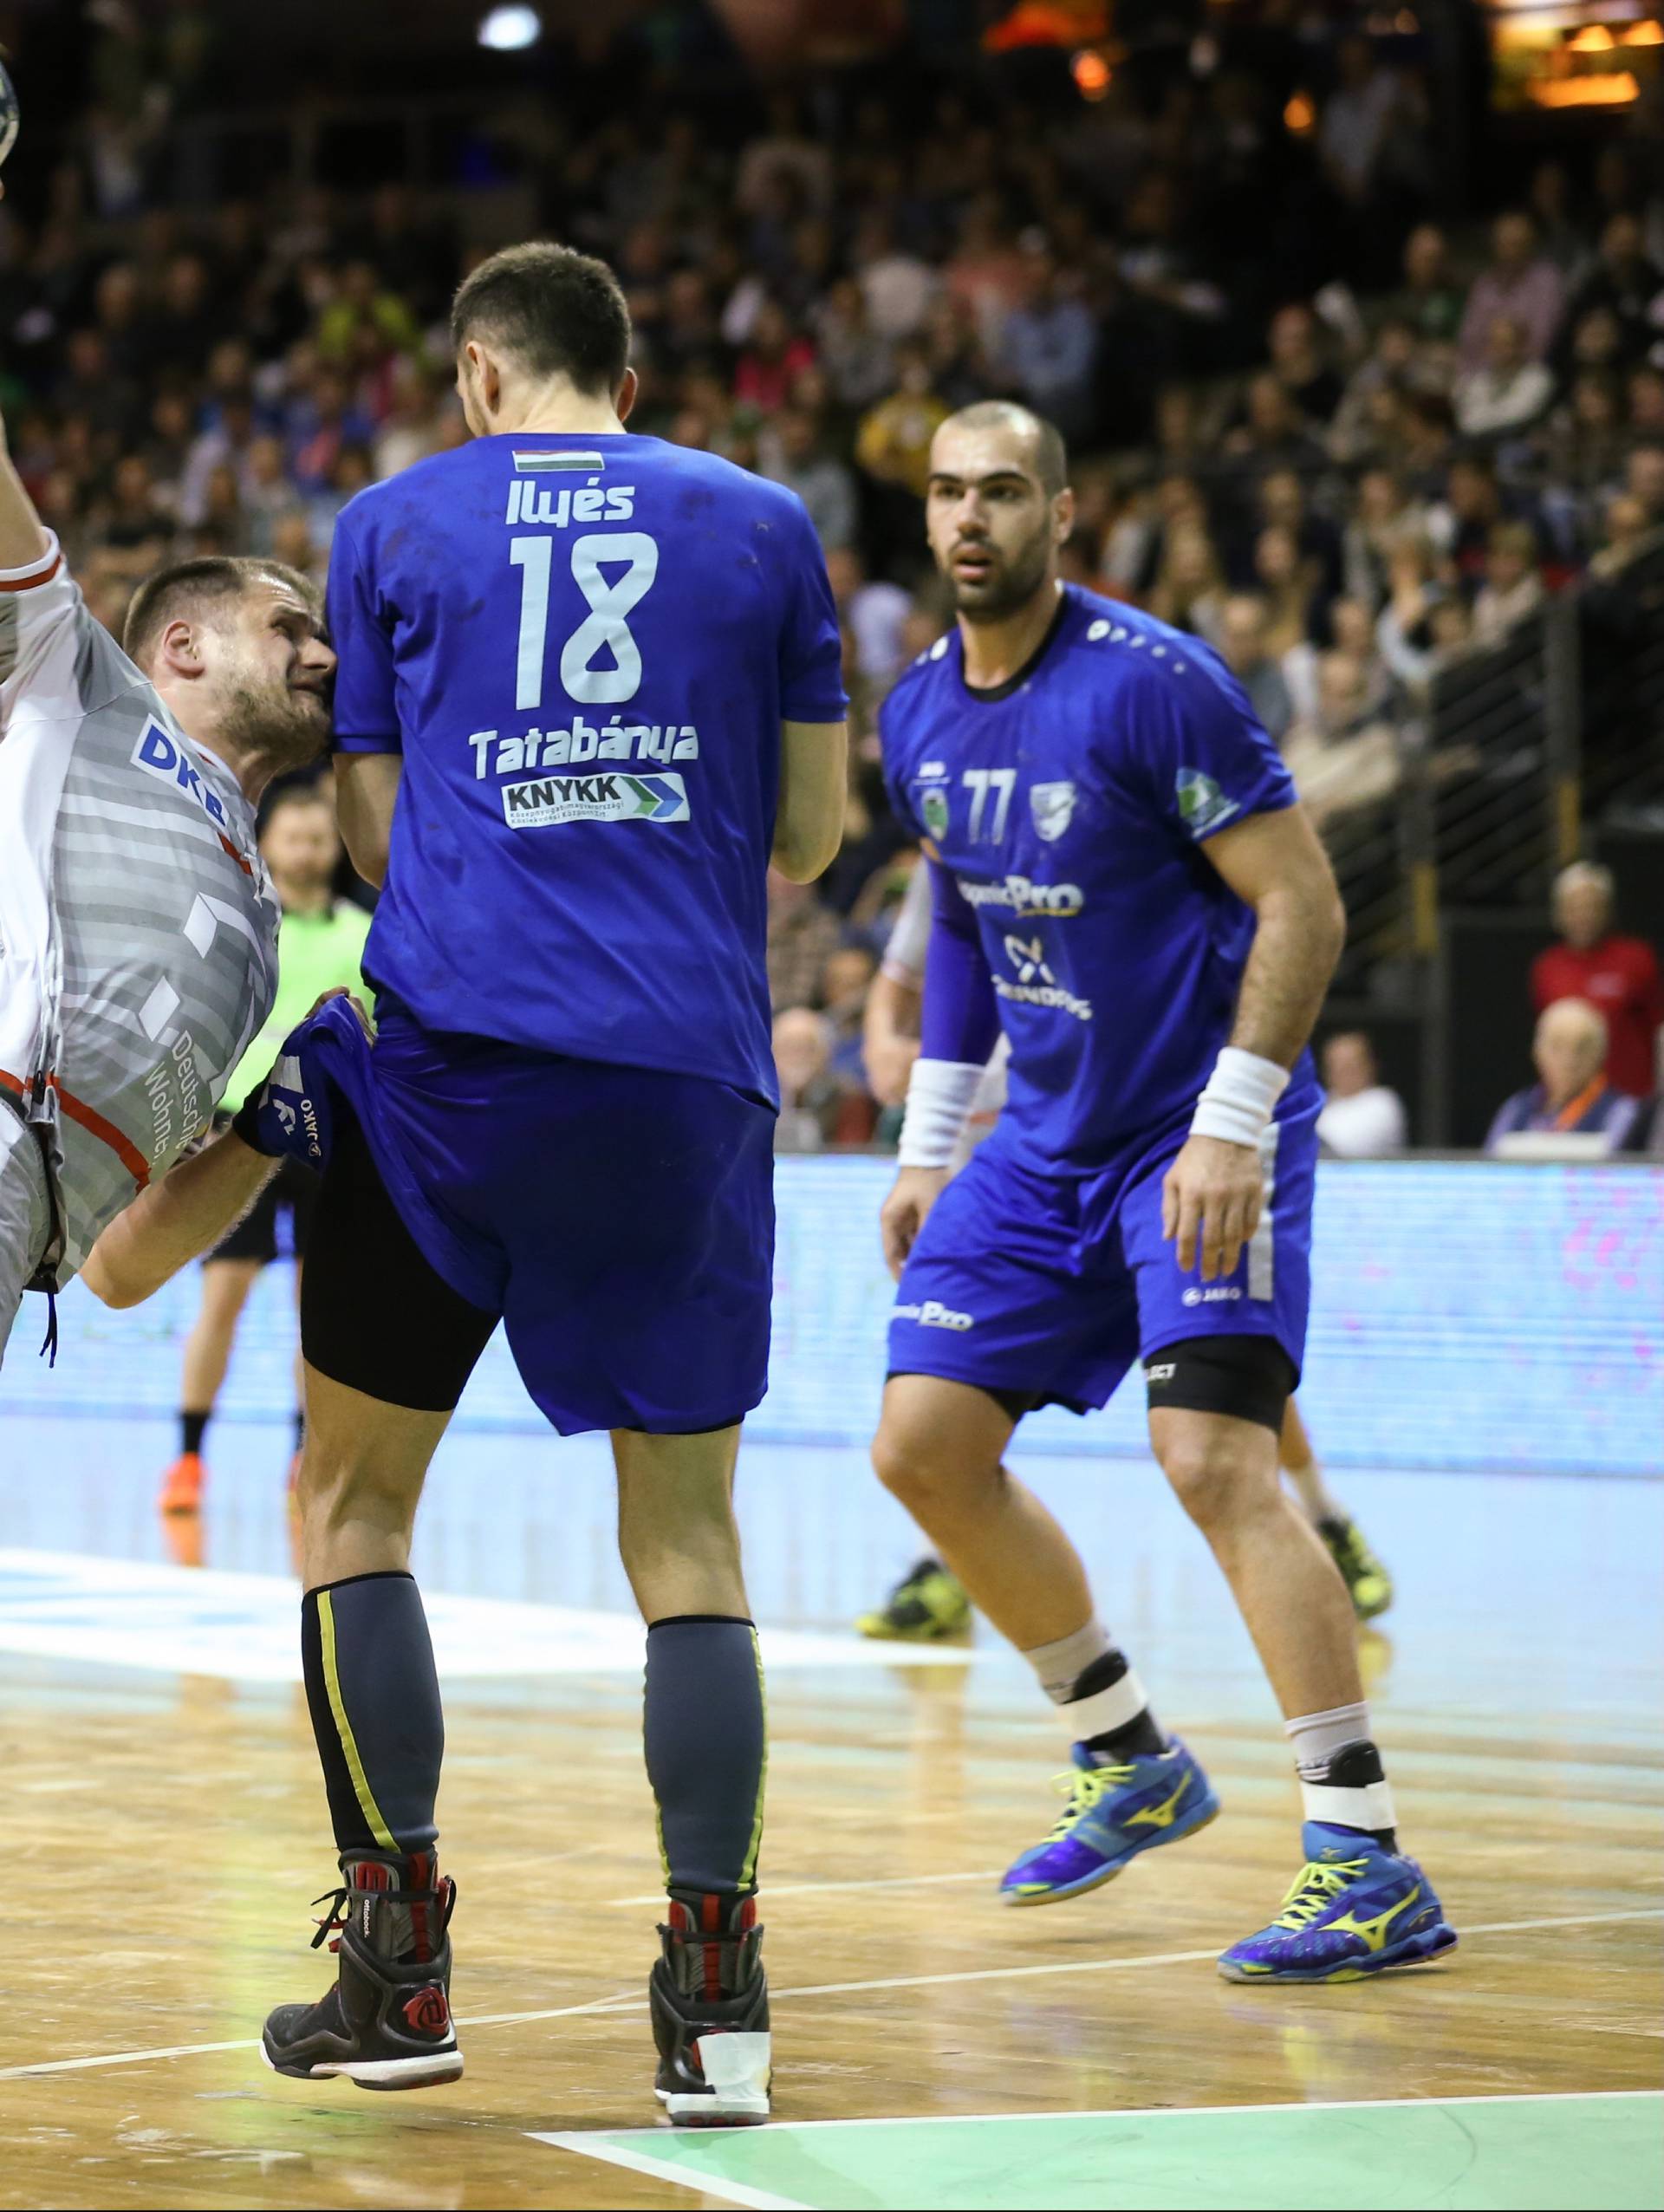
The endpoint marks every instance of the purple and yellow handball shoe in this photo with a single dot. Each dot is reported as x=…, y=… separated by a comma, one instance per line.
x=1354, y=1910
x=1114, y=1814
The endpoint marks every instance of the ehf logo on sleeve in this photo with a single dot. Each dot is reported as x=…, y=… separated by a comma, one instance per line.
x=1053, y=807
x=541, y=804
x=1203, y=807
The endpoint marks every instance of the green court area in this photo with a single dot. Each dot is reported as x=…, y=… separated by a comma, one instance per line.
x=1512, y=2153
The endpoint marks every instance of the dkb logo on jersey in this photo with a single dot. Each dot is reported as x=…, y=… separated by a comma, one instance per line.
x=595, y=798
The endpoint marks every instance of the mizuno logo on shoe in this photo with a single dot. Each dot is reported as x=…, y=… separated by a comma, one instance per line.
x=1373, y=1932
x=1159, y=1816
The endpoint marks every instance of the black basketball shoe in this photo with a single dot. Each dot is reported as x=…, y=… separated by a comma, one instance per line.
x=386, y=2023
x=710, y=2000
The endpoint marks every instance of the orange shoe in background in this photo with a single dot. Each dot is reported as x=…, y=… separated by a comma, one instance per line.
x=182, y=1485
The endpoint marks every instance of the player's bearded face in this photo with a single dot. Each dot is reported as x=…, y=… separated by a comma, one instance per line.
x=275, y=681
x=996, y=554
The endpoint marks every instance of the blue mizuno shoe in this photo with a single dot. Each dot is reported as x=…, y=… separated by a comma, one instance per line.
x=1354, y=1909
x=1114, y=1814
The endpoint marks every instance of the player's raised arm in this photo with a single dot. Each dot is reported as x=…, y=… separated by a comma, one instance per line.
x=23, y=539
x=1214, y=1190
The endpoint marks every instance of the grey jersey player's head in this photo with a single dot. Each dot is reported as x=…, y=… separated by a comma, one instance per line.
x=236, y=650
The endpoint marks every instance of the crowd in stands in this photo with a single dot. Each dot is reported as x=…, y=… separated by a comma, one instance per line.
x=1345, y=439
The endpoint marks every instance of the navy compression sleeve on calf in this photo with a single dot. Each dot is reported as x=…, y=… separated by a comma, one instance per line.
x=707, y=1749
x=374, y=1699
x=959, y=1018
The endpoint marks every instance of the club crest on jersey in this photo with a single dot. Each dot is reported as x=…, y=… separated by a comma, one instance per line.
x=1053, y=806
x=551, y=799
x=933, y=809
x=1203, y=807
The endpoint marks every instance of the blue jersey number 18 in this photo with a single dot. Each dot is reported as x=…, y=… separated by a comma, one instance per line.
x=606, y=626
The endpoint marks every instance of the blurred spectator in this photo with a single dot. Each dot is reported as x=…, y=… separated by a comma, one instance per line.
x=1619, y=975
x=1509, y=391
x=1362, y=1119
x=816, y=1109
x=876, y=615
x=1624, y=283
x=1299, y=362
x=893, y=444
x=802, y=936
x=1345, y=756
x=1189, y=590
x=826, y=487
x=1573, y=1095
x=1429, y=300
x=1627, y=528
x=1513, y=587
x=1242, y=644
x=1050, y=344
x=844, y=983
x=1519, y=285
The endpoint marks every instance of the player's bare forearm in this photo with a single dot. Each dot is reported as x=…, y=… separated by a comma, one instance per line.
x=813, y=792
x=367, y=792
x=890, y=1036
x=1275, y=863
x=191, y=1207
x=22, y=536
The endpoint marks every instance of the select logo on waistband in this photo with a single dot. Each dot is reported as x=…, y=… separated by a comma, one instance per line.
x=552, y=799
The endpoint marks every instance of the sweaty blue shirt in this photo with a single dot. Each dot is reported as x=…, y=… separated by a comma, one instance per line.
x=584, y=648
x=1067, y=809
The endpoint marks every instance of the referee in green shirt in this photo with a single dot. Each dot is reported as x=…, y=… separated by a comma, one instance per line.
x=319, y=947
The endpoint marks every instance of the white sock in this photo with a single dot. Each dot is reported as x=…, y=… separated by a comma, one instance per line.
x=1061, y=1665
x=1319, y=1738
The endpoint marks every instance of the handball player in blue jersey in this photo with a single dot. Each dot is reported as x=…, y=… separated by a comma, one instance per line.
x=588, y=689
x=1123, y=881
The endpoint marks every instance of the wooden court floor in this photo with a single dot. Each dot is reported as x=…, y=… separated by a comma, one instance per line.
x=163, y=1839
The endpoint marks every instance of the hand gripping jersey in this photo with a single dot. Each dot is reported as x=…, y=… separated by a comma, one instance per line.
x=138, y=929
x=584, y=648
x=1066, y=809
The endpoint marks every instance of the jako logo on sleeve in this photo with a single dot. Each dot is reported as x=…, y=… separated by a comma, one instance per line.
x=552, y=799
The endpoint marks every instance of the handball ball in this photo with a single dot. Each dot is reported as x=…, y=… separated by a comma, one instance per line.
x=8, y=112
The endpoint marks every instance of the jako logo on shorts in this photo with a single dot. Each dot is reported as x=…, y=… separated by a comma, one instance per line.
x=553, y=799
x=1215, y=1296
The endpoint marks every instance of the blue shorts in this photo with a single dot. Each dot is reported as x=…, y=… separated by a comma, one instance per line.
x=1051, y=1285
x=620, y=1221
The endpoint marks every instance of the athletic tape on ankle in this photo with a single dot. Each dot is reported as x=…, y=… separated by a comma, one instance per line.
x=1104, y=1710
x=1240, y=1097
x=1368, y=1807
x=939, y=1093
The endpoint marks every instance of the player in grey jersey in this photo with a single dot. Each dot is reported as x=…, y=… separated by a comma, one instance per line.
x=138, y=929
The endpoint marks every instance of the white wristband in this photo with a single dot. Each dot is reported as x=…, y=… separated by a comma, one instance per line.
x=1240, y=1098
x=938, y=1099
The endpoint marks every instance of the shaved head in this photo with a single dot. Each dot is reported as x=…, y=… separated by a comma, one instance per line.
x=1042, y=443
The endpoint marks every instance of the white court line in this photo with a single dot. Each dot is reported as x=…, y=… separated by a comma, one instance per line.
x=627, y=2002
x=584, y=2146
x=661, y=2170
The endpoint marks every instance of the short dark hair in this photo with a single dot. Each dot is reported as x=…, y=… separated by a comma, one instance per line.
x=1046, y=447
x=559, y=312
x=188, y=587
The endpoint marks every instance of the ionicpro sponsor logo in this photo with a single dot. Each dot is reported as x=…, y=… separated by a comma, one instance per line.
x=163, y=757
x=932, y=1314
x=553, y=799
x=1026, y=897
